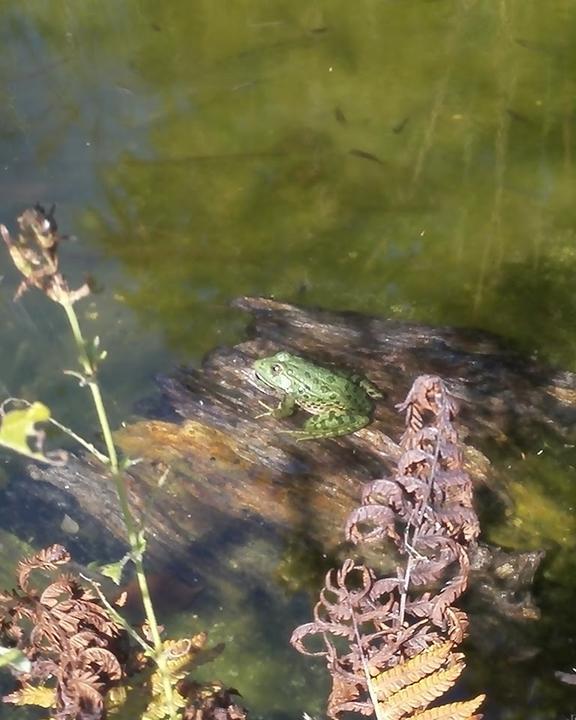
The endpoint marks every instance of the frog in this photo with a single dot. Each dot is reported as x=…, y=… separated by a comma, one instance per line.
x=340, y=403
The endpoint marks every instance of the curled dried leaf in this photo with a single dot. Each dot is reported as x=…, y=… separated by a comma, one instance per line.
x=47, y=559
x=370, y=523
x=34, y=253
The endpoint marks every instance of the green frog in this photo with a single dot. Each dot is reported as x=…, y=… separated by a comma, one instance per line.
x=340, y=403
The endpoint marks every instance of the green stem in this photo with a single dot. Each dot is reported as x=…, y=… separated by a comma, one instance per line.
x=132, y=529
x=117, y=616
x=80, y=440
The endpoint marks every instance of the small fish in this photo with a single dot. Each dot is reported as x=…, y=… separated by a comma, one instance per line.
x=366, y=156
x=339, y=115
x=518, y=117
x=397, y=129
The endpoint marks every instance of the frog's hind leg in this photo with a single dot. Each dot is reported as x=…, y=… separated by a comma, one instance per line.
x=370, y=389
x=330, y=424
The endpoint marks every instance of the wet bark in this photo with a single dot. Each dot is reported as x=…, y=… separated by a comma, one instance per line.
x=214, y=478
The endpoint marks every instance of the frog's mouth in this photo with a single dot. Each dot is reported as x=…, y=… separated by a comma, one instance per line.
x=259, y=382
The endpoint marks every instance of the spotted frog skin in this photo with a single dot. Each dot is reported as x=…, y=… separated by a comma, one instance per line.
x=340, y=403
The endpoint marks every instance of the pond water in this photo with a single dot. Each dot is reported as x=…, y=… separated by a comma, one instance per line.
x=414, y=159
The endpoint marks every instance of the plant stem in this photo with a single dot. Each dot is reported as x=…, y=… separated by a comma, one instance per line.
x=132, y=529
x=80, y=440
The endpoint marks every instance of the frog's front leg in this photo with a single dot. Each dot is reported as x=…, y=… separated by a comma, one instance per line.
x=284, y=408
x=330, y=424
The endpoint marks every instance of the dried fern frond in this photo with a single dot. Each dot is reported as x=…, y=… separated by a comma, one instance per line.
x=106, y=662
x=68, y=636
x=157, y=708
x=420, y=694
x=183, y=653
x=414, y=669
x=39, y=695
x=115, y=699
x=47, y=559
x=370, y=625
x=453, y=711
x=180, y=654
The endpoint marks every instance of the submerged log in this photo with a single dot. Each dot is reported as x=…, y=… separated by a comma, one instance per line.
x=212, y=478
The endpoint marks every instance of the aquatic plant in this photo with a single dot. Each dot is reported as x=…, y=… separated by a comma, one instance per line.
x=389, y=642
x=72, y=643
x=79, y=659
x=34, y=252
x=73, y=629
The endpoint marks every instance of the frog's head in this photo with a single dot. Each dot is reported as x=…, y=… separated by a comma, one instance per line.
x=273, y=370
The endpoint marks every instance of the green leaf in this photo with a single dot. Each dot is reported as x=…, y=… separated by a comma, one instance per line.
x=18, y=432
x=112, y=570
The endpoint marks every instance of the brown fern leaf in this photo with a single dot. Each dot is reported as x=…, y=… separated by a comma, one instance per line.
x=414, y=420
x=46, y=633
x=74, y=587
x=368, y=624
x=420, y=694
x=414, y=463
x=56, y=591
x=378, y=522
x=105, y=661
x=86, y=614
x=73, y=672
x=302, y=632
x=437, y=552
x=345, y=697
x=400, y=643
x=67, y=634
x=212, y=701
x=85, y=639
x=79, y=697
x=453, y=711
x=411, y=671
x=457, y=624
x=428, y=393
x=67, y=622
x=47, y=559
x=459, y=520
x=23, y=610
x=383, y=489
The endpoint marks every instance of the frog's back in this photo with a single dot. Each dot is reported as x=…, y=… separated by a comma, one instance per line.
x=321, y=389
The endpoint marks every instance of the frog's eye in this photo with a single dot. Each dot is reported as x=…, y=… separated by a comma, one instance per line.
x=276, y=368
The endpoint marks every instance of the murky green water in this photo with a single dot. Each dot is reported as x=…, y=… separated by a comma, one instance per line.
x=413, y=158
